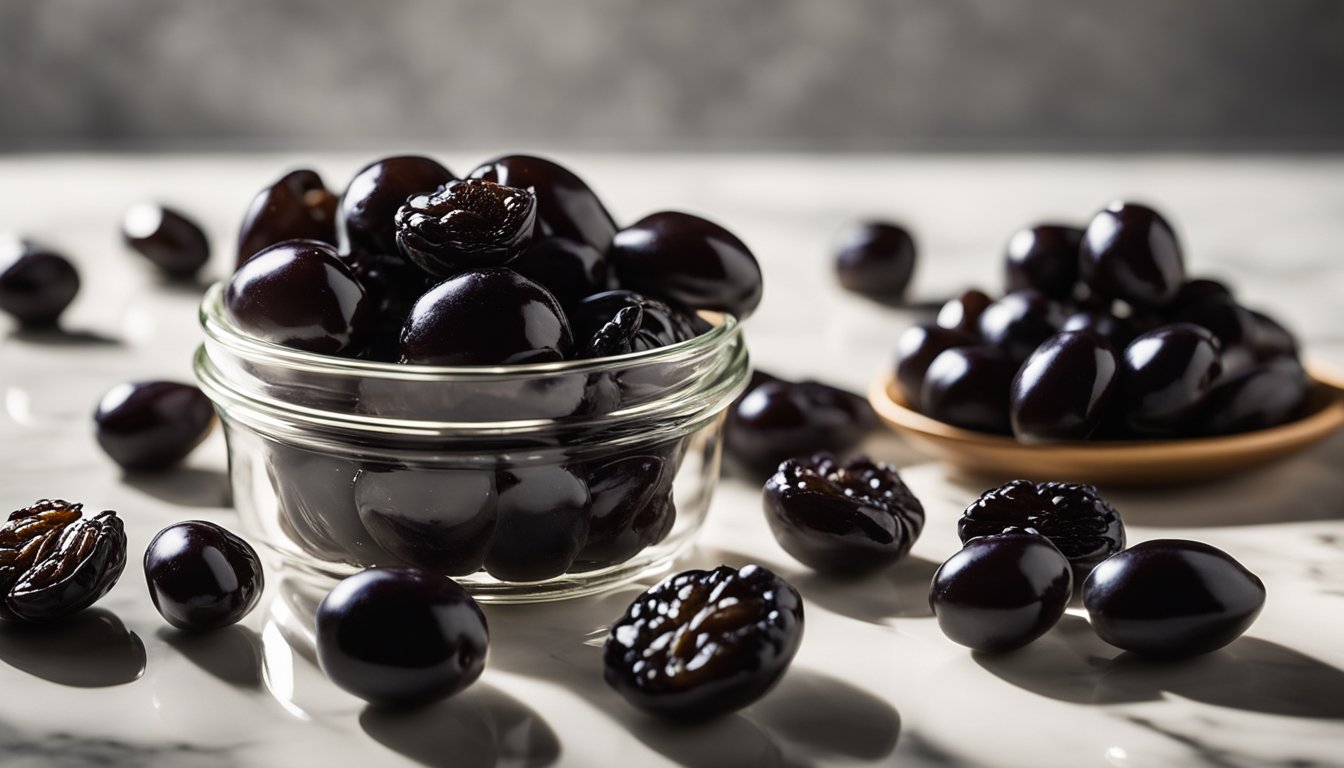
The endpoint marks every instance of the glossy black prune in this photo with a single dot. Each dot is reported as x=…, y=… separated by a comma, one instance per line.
x=36, y=284
x=877, y=259
x=401, y=636
x=616, y=337
x=1019, y=321
x=152, y=425
x=1081, y=524
x=440, y=520
x=298, y=206
x=916, y=348
x=543, y=523
x=486, y=317
x=1261, y=396
x=1172, y=598
x=1119, y=331
x=567, y=268
x=1232, y=325
x=316, y=497
x=1196, y=291
x=969, y=387
x=962, y=312
x=168, y=238
x=566, y=207
x=299, y=294
x=468, y=224
x=55, y=562
x=1044, y=258
x=658, y=324
x=371, y=199
x=202, y=576
x=688, y=261
x=1130, y=252
x=842, y=518
x=1269, y=339
x=783, y=419
x=1065, y=389
x=632, y=506
x=1001, y=592
x=1165, y=375
x=704, y=643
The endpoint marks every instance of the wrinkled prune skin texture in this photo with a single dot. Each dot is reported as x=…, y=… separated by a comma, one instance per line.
x=1065, y=389
x=616, y=337
x=970, y=387
x=876, y=258
x=55, y=562
x=1018, y=322
x=168, y=238
x=300, y=294
x=1118, y=331
x=842, y=518
x=439, y=520
x=962, y=312
x=632, y=506
x=568, y=269
x=566, y=207
x=543, y=523
x=486, y=317
x=316, y=496
x=916, y=348
x=1130, y=252
x=202, y=576
x=687, y=261
x=36, y=284
x=1001, y=592
x=1081, y=524
x=298, y=206
x=1262, y=396
x=401, y=636
x=468, y=224
x=782, y=419
x=659, y=325
x=1165, y=375
x=152, y=425
x=1044, y=258
x=704, y=643
x=370, y=202
x=1172, y=598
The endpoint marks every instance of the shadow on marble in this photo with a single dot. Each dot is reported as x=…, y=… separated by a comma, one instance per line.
x=92, y=649
x=56, y=336
x=232, y=654
x=185, y=487
x=898, y=592
x=853, y=725
x=482, y=726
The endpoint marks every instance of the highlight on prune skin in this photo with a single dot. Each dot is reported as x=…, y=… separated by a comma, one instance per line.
x=401, y=636
x=36, y=284
x=1165, y=375
x=1172, y=598
x=962, y=312
x=567, y=268
x=470, y=224
x=299, y=294
x=688, y=261
x=1264, y=395
x=55, y=562
x=616, y=337
x=486, y=317
x=441, y=520
x=783, y=419
x=1001, y=592
x=566, y=207
x=1044, y=258
x=1130, y=252
x=632, y=506
x=842, y=518
x=876, y=259
x=1065, y=389
x=202, y=576
x=1232, y=325
x=1018, y=322
x=370, y=202
x=1081, y=524
x=701, y=644
x=168, y=238
x=969, y=387
x=1117, y=330
x=152, y=425
x=543, y=523
x=916, y=348
x=654, y=325
x=298, y=206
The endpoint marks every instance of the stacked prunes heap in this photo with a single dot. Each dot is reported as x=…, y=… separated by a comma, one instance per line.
x=518, y=262
x=1102, y=336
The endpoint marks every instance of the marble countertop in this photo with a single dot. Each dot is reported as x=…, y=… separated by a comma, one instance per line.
x=875, y=682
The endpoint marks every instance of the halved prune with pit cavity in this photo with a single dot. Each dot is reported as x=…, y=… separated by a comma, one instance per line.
x=704, y=643
x=440, y=520
x=55, y=562
x=468, y=224
x=566, y=206
x=543, y=522
x=297, y=206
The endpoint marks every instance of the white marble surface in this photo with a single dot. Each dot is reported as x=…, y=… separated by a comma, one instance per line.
x=875, y=682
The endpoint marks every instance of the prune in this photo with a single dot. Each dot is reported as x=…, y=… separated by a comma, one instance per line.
x=36, y=284
x=469, y=224
x=877, y=259
x=401, y=636
x=316, y=496
x=969, y=387
x=440, y=520
x=1196, y=291
x=152, y=425
x=1019, y=321
x=486, y=317
x=393, y=285
x=1001, y=592
x=840, y=518
x=916, y=348
x=202, y=576
x=688, y=261
x=1172, y=598
x=1081, y=524
x=1264, y=395
x=299, y=294
x=704, y=643
x=566, y=207
x=1164, y=376
x=1232, y=325
x=168, y=238
x=543, y=522
x=55, y=562
x=631, y=508
x=371, y=199
x=1044, y=258
x=567, y=268
x=659, y=324
x=783, y=419
x=297, y=206
x=962, y=313
x=1130, y=252
x=617, y=336
x=1118, y=331
x=1269, y=339
x=1065, y=388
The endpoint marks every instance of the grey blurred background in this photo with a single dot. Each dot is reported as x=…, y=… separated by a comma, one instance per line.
x=688, y=74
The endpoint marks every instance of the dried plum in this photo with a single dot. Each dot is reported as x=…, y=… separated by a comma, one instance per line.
x=543, y=523
x=152, y=425
x=1080, y=523
x=55, y=562
x=441, y=520
x=298, y=206
x=632, y=507
x=783, y=419
x=877, y=259
x=659, y=324
x=202, y=576
x=469, y=224
x=170, y=239
x=36, y=284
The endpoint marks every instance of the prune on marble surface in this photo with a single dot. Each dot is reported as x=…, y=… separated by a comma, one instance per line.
x=542, y=523
x=202, y=576
x=782, y=419
x=55, y=562
x=468, y=224
x=36, y=283
x=962, y=312
x=170, y=239
x=1044, y=258
x=1165, y=375
x=1065, y=389
x=439, y=520
x=1130, y=252
x=969, y=387
x=566, y=206
x=877, y=259
x=152, y=425
x=298, y=206
x=1019, y=321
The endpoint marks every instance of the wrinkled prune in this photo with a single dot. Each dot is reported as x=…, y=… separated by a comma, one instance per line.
x=1165, y=375
x=369, y=204
x=297, y=206
x=1018, y=322
x=1065, y=388
x=916, y=348
x=1130, y=252
x=440, y=520
x=152, y=425
x=543, y=522
x=1264, y=395
x=837, y=517
x=631, y=508
x=202, y=576
x=36, y=284
x=659, y=323
x=969, y=387
x=617, y=336
x=962, y=312
x=566, y=207
x=783, y=419
x=168, y=238
x=877, y=259
x=401, y=636
x=1044, y=258
x=704, y=643
x=469, y=224
x=55, y=562
x=1171, y=598
x=568, y=269
x=1081, y=524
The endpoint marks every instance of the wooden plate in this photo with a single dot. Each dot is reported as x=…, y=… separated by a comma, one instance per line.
x=1127, y=463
